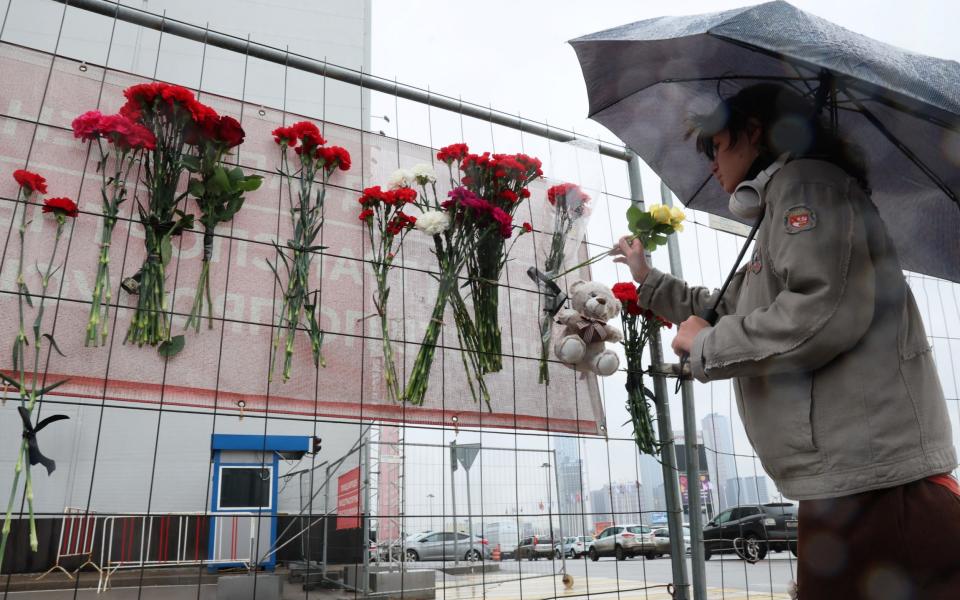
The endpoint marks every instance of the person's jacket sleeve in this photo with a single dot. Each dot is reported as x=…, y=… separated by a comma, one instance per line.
x=674, y=300
x=826, y=298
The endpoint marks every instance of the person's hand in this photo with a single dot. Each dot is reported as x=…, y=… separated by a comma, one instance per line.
x=688, y=330
x=630, y=252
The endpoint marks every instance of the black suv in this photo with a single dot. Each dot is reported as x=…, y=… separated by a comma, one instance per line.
x=752, y=529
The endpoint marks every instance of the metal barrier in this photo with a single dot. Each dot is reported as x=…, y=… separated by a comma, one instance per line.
x=152, y=541
x=78, y=532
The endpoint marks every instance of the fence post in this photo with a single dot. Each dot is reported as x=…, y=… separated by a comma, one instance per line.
x=668, y=459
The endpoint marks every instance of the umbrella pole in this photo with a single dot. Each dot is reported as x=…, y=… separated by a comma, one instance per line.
x=668, y=456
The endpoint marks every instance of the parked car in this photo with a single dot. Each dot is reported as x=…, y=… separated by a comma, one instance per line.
x=661, y=536
x=533, y=548
x=587, y=543
x=624, y=541
x=758, y=527
x=573, y=547
x=446, y=545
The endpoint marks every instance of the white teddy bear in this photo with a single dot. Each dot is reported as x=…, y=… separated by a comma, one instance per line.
x=583, y=331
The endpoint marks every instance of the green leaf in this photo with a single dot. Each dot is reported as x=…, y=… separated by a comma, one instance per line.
x=190, y=163
x=196, y=188
x=51, y=387
x=16, y=353
x=236, y=174
x=53, y=343
x=250, y=183
x=633, y=215
x=166, y=250
x=172, y=347
x=219, y=182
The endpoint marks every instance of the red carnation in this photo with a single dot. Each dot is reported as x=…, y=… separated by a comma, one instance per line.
x=30, y=181
x=453, y=152
x=626, y=293
x=87, y=126
x=120, y=131
x=229, y=132
x=527, y=227
x=284, y=135
x=509, y=195
x=373, y=195
x=334, y=157
x=366, y=214
x=405, y=195
x=61, y=207
x=505, y=221
x=524, y=193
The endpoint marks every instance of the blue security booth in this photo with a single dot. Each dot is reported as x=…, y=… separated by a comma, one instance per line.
x=244, y=495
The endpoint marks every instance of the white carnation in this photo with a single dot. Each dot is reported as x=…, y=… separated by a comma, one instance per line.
x=400, y=178
x=433, y=222
x=423, y=173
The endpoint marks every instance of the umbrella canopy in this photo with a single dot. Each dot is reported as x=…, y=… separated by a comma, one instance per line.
x=901, y=109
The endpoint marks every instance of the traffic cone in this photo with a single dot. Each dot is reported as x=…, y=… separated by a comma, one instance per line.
x=496, y=552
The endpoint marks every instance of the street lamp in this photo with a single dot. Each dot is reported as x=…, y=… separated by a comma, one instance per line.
x=431, y=497
x=546, y=467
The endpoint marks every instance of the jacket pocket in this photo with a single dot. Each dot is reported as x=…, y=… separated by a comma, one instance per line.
x=778, y=413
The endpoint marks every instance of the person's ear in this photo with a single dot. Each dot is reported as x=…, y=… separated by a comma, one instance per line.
x=754, y=132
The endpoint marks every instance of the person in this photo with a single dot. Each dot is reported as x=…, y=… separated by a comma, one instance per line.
x=833, y=374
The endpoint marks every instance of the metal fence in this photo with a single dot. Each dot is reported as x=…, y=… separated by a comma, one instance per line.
x=552, y=463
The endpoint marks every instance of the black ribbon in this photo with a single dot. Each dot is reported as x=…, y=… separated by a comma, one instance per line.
x=30, y=434
x=555, y=297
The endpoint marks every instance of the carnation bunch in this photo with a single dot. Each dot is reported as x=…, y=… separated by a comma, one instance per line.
x=172, y=113
x=119, y=141
x=29, y=384
x=313, y=158
x=639, y=324
x=571, y=210
x=219, y=191
x=386, y=225
x=500, y=183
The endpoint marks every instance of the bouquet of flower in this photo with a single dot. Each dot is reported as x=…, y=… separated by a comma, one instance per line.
x=219, y=192
x=306, y=214
x=169, y=112
x=462, y=228
x=651, y=227
x=501, y=181
x=125, y=141
x=570, y=215
x=638, y=325
x=386, y=226
x=29, y=388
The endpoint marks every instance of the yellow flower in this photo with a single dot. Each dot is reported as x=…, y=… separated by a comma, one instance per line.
x=678, y=227
x=660, y=213
x=676, y=216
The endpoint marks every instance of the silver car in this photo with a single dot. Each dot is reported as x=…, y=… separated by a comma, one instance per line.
x=445, y=545
x=624, y=541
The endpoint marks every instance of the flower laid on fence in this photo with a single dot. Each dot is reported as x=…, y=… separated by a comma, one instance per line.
x=125, y=140
x=638, y=325
x=219, y=191
x=571, y=211
x=469, y=231
x=499, y=183
x=652, y=227
x=29, y=384
x=168, y=111
x=306, y=214
x=386, y=224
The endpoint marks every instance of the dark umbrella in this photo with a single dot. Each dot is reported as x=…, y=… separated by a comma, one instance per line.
x=900, y=108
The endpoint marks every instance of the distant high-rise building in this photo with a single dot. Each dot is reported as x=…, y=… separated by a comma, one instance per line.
x=651, y=478
x=748, y=490
x=573, y=504
x=721, y=463
x=617, y=503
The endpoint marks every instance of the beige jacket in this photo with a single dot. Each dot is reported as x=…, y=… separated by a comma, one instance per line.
x=834, y=376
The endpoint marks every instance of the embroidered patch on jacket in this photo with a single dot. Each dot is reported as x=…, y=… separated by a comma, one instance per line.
x=756, y=262
x=799, y=218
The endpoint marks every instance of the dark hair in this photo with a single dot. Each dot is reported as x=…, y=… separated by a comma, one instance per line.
x=789, y=124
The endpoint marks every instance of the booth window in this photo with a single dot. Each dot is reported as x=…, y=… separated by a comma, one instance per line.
x=244, y=487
